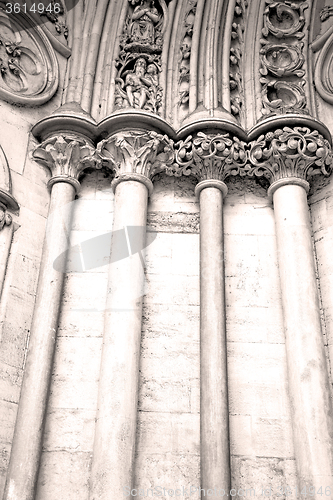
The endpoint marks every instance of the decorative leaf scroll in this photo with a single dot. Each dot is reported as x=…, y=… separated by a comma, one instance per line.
x=290, y=152
x=282, y=62
x=212, y=156
x=28, y=65
x=236, y=51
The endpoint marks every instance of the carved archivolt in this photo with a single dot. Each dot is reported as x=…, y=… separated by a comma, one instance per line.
x=236, y=53
x=323, y=74
x=28, y=65
x=281, y=62
x=139, y=61
x=185, y=57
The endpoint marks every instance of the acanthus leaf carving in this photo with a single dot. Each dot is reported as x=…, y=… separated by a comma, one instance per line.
x=290, y=152
x=137, y=152
x=209, y=156
x=66, y=156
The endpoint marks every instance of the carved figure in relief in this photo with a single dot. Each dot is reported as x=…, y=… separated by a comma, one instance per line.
x=137, y=84
x=144, y=18
x=139, y=88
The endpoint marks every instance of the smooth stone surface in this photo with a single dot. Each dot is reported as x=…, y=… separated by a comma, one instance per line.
x=114, y=443
x=214, y=424
x=311, y=407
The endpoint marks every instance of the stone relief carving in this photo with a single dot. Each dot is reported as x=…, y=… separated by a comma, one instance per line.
x=66, y=156
x=236, y=50
x=281, y=62
x=323, y=78
x=290, y=152
x=139, y=61
x=209, y=156
x=57, y=19
x=140, y=152
x=28, y=65
x=185, y=56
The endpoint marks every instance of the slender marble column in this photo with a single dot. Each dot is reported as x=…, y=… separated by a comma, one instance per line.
x=211, y=158
x=27, y=442
x=132, y=153
x=214, y=411
x=289, y=155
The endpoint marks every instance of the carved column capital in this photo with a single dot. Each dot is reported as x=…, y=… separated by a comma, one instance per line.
x=209, y=157
x=290, y=155
x=137, y=155
x=66, y=155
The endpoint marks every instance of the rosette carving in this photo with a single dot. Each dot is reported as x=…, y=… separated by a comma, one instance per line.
x=66, y=156
x=28, y=64
x=283, y=19
x=209, y=156
x=283, y=97
x=290, y=152
x=282, y=59
x=137, y=152
x=281, y=63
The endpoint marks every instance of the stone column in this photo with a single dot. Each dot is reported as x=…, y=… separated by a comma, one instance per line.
x=66, y=156
x=134, y=156
x=211, y=158
x=287, y=158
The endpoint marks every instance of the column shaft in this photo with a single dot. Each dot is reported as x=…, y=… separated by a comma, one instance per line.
x=114, y=444
x=6, y=236
x=215, y=455
x=27, y=441
x=309, y=389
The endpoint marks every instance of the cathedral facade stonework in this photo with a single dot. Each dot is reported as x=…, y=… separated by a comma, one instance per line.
x=166, y=223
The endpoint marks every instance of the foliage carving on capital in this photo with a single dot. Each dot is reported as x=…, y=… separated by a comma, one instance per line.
x=209, y=156
x=67, y=155
x=141, y=152
x=290, y=152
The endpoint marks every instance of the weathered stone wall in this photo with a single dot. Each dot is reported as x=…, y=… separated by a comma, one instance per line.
x=168, y=435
